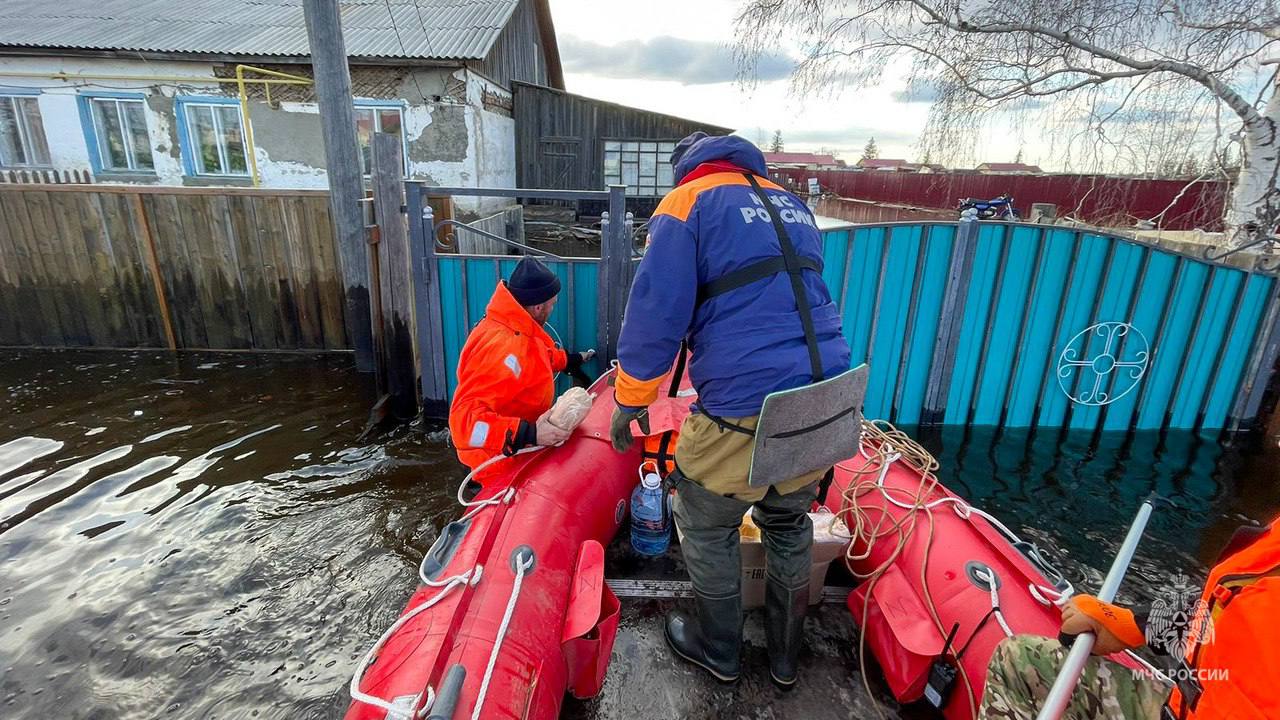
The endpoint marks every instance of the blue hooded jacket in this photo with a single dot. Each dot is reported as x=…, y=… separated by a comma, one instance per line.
x=748, y=342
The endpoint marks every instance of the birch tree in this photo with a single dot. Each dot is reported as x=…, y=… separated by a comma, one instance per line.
x=1113, y=83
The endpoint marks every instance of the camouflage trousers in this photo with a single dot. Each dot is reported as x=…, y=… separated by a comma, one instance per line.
x=1023, y=669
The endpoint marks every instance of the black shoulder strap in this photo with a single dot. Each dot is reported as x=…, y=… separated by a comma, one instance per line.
x=751, y=273
x=794, y=269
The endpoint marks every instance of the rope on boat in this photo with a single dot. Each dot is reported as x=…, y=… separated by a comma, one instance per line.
x=523, y=563
x=882, y=445
x=469, y=578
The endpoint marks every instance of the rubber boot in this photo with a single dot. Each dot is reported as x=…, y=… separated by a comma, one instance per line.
x=712, y=640
x=784, y=611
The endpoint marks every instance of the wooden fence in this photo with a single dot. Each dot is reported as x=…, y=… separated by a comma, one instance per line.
x=197, y=268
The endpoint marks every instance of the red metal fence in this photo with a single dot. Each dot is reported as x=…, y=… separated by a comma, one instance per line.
x=1097, y=199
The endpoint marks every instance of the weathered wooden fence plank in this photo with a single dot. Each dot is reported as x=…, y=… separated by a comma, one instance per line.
x=209, y=268
x=395, y=282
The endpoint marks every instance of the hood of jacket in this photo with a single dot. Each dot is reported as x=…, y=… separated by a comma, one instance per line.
x=722, y=148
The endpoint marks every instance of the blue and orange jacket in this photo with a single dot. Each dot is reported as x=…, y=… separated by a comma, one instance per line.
x=748, y=342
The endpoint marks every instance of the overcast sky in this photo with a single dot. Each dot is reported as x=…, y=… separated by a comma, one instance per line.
x=676, y=57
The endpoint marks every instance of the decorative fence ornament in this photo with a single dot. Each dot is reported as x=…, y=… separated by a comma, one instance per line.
x=1103, y=363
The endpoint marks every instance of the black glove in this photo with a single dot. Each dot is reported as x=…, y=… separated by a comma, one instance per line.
x=573, y=366
x=620, y=426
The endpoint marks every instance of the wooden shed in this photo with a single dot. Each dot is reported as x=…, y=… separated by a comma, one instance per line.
x=571, y=142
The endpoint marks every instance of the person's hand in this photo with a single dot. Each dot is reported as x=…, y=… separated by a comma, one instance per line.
x=620, y=426
x=574, y=361
x=547, y=433
x=1114, y=626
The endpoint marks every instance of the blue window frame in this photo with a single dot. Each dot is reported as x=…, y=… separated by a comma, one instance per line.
x=211, y=132
x=115, y=131
x=384, y=116
x=22, y=139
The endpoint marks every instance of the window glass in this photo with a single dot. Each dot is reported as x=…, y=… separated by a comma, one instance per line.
x=110, y=134
x=233, y=139
x=389, y=122
x=22, y=139
x=37, y=144
x=644, y=166
x=11, y=146
x=376, y=119
x=139, y=140
x=204, y=133
x=648, y=164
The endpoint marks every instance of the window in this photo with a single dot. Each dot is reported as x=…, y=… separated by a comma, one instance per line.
x=644, y=166
x=376, y=118
x=22, y=140
x=213, y=137
x=116, y=129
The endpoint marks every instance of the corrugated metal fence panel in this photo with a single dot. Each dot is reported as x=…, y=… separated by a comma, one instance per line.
x=467, y=283
x=1055, y=327
x=931, y=281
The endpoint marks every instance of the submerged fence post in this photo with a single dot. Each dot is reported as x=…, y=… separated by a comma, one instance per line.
x=614, y=273
x=395, y=287
x=952, y=315
x=429, y=320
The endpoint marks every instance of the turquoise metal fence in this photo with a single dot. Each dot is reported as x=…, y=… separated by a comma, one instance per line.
x=1026, y=325
x=467, y=282
x=1000, y=324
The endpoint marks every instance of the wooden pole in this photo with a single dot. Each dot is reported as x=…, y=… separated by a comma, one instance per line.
x=153, y=265
x=342, y=160
x=395, y=286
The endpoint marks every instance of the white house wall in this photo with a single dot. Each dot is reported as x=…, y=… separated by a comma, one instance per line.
x=450, y=137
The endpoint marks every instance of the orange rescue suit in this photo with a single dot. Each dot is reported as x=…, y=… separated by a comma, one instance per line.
x=506, y=374
x=1237, y=671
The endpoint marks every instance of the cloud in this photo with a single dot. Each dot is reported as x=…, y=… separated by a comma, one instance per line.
x=916, y=92
x=689, y=62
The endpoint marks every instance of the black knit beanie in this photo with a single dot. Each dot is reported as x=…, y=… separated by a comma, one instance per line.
x=532, y=283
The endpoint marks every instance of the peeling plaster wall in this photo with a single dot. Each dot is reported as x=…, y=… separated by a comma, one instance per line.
x=451, y=139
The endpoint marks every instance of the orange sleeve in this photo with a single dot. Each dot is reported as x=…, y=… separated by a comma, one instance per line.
x=634, y=392
x=559, y=359
x=475, y=418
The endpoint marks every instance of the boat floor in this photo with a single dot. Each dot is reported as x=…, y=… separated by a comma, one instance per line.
x=646, y=680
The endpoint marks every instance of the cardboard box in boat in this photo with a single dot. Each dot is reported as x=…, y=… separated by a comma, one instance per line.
x=829, y=541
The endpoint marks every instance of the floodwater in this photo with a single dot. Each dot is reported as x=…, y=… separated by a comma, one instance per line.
x=204, y=536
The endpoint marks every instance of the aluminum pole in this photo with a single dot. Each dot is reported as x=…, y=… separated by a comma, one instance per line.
x=1065, y=684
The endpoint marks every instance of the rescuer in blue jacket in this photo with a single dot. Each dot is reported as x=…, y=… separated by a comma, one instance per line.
x=745, y=341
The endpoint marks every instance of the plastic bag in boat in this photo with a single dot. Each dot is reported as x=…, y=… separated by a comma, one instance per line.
x=570, y=409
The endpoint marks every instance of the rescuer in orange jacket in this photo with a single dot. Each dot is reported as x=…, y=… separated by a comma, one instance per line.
x=506, y=373
x=1226, y=645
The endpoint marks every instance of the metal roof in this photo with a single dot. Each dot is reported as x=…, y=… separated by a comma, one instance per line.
x=428, y=29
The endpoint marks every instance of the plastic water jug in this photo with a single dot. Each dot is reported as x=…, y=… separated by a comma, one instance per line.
x=650, y=519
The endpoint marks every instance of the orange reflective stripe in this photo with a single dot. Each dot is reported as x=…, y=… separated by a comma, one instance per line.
x=679, y=202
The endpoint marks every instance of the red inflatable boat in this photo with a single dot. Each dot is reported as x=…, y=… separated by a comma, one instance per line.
x=941, y=579
x=513, y=610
